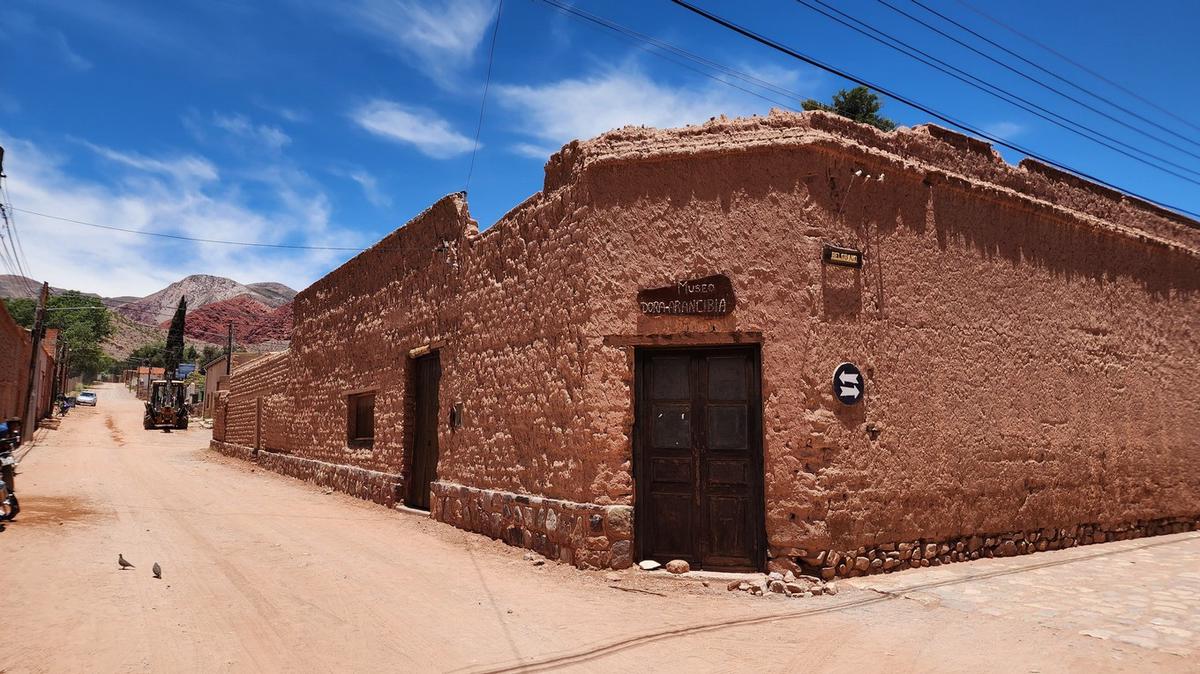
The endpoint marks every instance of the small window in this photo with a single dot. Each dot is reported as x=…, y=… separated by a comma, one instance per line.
x=361, y=431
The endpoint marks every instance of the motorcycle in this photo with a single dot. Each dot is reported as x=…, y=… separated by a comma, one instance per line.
x=10, y=440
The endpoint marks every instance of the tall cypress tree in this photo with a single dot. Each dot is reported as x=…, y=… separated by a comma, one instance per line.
x=174, y=351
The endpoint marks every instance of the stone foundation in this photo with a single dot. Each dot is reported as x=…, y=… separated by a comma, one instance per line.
x=583, y=534
x=888, y=557
x=370, y=485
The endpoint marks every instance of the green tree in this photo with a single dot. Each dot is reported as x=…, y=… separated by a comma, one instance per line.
x=83, y=323
x=210, y=353
x=860, y=104
x=21, y=309
x=174, y=349
x=192, y=354
x=152, y=353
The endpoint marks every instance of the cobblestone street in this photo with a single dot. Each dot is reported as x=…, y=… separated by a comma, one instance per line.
x=1143, y=592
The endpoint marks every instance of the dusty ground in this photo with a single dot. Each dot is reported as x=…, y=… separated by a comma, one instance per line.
x=265, y=573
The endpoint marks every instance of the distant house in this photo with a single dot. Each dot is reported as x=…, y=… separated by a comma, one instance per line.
x=142, y=378
x=216, y=378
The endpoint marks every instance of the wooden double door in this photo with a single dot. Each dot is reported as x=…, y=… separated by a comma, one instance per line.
x=698, y=457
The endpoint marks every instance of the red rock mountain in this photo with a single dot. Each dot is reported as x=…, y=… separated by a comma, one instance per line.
x=210, y=322
x=200, y=290
x=274, y=327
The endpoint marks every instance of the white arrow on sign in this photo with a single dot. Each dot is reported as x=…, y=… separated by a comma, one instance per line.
x=848, y=378
x=848, y=391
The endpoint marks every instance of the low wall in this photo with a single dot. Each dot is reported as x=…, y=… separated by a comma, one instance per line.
x=923, y=553
x=366, y=484
x=584, y=534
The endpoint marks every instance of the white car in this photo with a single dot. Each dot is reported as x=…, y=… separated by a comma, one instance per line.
x=86, y=398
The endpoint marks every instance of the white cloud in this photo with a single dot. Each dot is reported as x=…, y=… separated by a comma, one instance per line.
x=184, y=196
x=1005, y=130
x=558, y=112
x=370, y=187
x=441, y=36
x=421, y=128
x=181, y=168
x=533, y=150
x=14, y=24
x=239, y=125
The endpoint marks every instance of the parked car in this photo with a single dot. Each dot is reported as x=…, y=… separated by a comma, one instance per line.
x=86, y=398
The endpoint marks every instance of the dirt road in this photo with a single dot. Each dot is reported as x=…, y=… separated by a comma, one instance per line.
x=265, y=573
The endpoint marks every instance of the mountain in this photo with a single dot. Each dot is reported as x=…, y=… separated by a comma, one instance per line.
x=127, y=336
x=21, y=286
x=211, y=321
x=261, y=312
x=200, y=289
x=274, y=327
x=273, y=294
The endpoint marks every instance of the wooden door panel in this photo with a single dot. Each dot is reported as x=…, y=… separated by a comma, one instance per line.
x=423, y=469
x=728, y=531
x=726, y=427
x=699, y=455
x=674, y=531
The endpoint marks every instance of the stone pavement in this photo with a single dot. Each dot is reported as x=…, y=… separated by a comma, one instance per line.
x=1144, y=592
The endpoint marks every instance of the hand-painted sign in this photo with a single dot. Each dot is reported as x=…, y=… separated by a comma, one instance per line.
x=848, y=384
x=843, y=257
x=708, y=296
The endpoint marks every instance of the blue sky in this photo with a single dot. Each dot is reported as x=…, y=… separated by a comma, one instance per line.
x=332, y=123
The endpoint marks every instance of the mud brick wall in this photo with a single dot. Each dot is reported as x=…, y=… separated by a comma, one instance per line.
x=587, y=535
x=365, y=484
x=15, y=346
x=258, y=409
x=1029, y=341
x=1029, y=346
x=506, y=312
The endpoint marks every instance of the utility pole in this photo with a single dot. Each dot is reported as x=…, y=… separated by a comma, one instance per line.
x=39, y=329
x=60, y=357
x=229, y=350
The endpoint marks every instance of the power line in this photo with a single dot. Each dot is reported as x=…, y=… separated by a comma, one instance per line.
x=12, y=223
x=783, y=49
x=483, y=100
x=188, y=238
x=646, y=43
x=1040, y=83
x=1055, y=75
x=1077, y=64
x=997, y=92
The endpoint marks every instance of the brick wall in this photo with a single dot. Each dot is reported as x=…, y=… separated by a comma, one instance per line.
x=14, y=365
x=1017, y=330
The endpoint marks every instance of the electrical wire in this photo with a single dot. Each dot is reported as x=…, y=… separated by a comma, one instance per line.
x=1040, y=83
x=1002, y=94
x=650, y=44
x=784, y=49
x=189, y=238
x=1077, y=64
x=483, y=99
x=1060, y=78
x=16, y=235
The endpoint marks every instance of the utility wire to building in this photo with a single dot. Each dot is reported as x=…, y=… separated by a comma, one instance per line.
x=1007, y=96
x=913, y=103
x=1068, y=59
x=1044, y=85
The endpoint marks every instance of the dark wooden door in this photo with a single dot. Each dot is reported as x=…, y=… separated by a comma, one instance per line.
x=698, y=462
x=424, y=454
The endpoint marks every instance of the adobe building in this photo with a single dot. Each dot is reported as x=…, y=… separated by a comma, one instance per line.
x=217, y=379
x=776, y=342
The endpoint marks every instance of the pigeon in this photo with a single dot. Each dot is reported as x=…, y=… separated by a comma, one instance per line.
x=157, y=570
x=122, y=563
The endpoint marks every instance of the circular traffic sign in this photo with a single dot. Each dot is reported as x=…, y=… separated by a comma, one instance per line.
x=848, y=384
